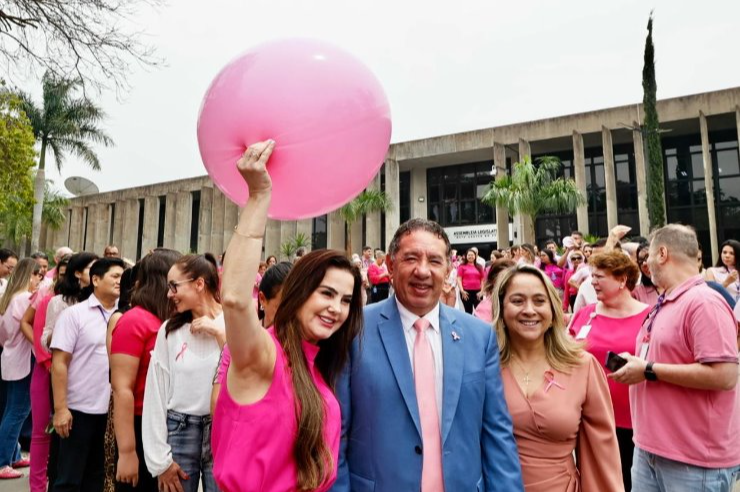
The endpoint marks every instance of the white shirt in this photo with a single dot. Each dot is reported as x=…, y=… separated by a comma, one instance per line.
x=434, y=336
x=180, y=379
x=586, y=294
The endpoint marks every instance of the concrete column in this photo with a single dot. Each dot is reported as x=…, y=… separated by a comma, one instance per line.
x=335, y=231
x=217, y=222
x=609, y=178
x=502, y=213
x=372, y=220
x=170, y=218
x=392, y=189
x=525, y=224
x=305, y=227
x=131, y=227
x=61, y=236
x=100, y=216
x=641, y=177
x=709, y=185
x=231, y=218
x=272, y=239
x=183, y=221
x=151, y=224
x=76, y=228
x=118, y=219
x=204, y=221
x=579, y=168
x=287, y=233
x=356, y=235
x=418, y=189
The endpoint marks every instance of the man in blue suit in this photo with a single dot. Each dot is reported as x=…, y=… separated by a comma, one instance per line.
x=385, y=397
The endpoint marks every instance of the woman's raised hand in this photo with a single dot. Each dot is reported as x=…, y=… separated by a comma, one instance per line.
x=253, y=167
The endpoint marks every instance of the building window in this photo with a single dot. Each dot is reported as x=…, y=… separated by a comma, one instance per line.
x=111, y=221
x=140, y=230
x=455, y=193
x=85, y=215
x=404, y=196
x=160, y=225
x=318, y=238
x=557, y=226
x=194, y=220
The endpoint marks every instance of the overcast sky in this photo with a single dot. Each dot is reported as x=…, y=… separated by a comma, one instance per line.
x=445, y=66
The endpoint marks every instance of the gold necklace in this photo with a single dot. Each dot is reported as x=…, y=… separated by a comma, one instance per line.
x=526, y=372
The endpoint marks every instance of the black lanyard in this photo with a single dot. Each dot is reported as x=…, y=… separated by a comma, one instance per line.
x=102, y=312
x=653, y=314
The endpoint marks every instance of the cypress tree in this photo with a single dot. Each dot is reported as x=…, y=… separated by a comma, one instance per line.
x=651, y=128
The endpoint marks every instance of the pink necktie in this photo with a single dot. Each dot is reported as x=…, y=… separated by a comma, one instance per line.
x=426, y=398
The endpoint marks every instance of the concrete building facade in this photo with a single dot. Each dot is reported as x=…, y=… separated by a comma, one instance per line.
x=444, y=178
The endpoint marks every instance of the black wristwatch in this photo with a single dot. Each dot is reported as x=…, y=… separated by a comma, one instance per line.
x=649, y=373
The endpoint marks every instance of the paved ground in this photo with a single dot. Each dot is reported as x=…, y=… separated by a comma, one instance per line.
x=20, y=484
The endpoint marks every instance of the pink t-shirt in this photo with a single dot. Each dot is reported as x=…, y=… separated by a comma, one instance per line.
x=698, y=427
x=40, y=304
x=15, y=361
x=647, y=295
x=484, y=310
x=135, y=335
x=471, y=276
x=81, y=330
x=555, y=274
x=610, y=334
x=374, y=273
x=253, y=444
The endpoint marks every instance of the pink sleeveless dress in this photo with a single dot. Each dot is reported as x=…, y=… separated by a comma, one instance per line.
x=253, y=444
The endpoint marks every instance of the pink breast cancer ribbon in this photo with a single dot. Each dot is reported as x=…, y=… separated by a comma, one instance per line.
x=550, y=377
x=182, y=351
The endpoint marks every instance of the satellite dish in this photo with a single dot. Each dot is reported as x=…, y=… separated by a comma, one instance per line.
x=78, y=186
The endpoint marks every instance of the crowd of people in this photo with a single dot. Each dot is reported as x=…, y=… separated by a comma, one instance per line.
x=604, y=367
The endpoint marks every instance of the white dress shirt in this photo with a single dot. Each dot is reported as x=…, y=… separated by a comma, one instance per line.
x=434, y=336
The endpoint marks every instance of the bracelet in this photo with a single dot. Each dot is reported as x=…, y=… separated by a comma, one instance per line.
x=246, y=235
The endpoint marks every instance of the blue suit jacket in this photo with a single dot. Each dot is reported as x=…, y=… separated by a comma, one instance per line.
x=381, y=434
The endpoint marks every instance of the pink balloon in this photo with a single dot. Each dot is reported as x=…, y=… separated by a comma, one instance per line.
x=326, y=111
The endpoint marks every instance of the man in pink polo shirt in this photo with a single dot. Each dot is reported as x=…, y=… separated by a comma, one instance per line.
x=684, y=399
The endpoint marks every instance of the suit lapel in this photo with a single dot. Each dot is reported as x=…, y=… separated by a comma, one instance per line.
x=394, y=341
x=453, y=354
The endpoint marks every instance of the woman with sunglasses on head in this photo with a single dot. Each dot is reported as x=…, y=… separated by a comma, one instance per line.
x=277, y=421
x=16, y=362
x=33, y=323
x=176, y=420
x=132, y=342
x=576, y=261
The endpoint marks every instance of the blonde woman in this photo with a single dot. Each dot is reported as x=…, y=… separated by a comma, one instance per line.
x=557, y=393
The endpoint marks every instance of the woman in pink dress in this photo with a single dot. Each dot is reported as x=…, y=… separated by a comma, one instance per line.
x=469, y=280
x=612, y=324
x=557, y=393
x=277, y=422
x=484, y=310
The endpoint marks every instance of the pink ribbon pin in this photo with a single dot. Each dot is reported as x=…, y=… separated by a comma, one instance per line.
x=550, y=377
x=182, y=351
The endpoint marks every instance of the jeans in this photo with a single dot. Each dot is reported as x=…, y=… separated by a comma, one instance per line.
x=17, y=409
x=190, y=439
x=40, y=414
x=652, y=472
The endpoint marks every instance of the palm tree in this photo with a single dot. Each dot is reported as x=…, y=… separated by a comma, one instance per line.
x=16, y=223
x=65, y=124
x=367, y=202
x=533, y=190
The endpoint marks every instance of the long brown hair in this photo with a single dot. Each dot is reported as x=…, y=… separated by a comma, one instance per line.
x=196, y=266
x=150, y=283
x=312, y=454
x=19, y=281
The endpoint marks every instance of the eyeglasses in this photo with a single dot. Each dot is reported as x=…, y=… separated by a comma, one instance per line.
x=574, y=259
x=172, y=285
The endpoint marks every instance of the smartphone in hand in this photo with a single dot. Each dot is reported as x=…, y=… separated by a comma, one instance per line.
x=614, y=361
